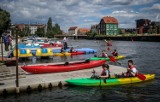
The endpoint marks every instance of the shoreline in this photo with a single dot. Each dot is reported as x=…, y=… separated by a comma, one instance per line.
x=30, y=82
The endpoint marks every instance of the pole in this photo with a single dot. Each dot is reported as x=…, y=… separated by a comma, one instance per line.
x=2, y=49
x=17, y=81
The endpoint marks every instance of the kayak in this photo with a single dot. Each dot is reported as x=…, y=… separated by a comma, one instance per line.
x=87, y=50
x=109, y=82
x=77, y=53
x=62, y=54
x=107, y=59
x=51, y=46
x=53, y=68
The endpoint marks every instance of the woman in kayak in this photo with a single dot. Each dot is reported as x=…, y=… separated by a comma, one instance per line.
x=131, y=70
x=115, y=53
x=105, y=72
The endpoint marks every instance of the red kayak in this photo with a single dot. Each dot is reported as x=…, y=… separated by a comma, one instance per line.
x=38, y=69
x=53, y=45
x=77, y=53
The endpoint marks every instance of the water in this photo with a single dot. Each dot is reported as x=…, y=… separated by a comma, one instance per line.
x=146, y=57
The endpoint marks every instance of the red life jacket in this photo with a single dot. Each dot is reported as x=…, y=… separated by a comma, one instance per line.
x=104, y=72
x=103, y=54
x=130, y=67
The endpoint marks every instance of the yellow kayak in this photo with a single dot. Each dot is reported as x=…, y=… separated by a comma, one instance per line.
x=109, y=82
x=62, y=54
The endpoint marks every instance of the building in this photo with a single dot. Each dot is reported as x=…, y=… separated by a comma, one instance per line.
x=21, y=27
x=73, y=30
x=131, y=30
x=142, y=25
x=155, y=25
x=108, y=26
x=83, y=31
x=32, y=27
x=95, y=28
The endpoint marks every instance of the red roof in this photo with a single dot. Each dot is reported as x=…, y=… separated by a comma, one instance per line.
x=109, y=19
x=73, y=28
x=84, y=30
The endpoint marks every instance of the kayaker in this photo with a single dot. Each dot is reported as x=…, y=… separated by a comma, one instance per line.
x=115, y=53
x=72, y=50
x=62, y=50
x=105, y=72
x=131, y=70
x=104, y=54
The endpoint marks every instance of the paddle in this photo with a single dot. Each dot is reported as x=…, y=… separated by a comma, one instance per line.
x=141, y=76
x=112, y=59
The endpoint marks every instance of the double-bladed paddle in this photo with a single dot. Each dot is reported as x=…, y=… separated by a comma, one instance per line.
x=112, y=59
x=141, y=76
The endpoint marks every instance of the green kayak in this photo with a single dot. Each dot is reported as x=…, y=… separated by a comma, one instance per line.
x=107, y=59
x=109, y=82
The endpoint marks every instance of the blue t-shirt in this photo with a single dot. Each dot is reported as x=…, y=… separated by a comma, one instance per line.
x=6, y=38
x=107, y=72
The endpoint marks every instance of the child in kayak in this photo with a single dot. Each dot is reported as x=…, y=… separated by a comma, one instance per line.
x=105, y=72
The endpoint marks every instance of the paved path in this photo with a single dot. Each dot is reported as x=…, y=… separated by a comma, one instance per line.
x=34, y=80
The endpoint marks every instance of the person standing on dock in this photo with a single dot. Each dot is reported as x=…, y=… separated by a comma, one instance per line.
x=6, y=42
x=10, y=42
x=65, y=43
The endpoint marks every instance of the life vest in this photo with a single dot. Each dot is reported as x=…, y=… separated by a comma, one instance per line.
x=104, y=72
x=103, y=54
x=114, y=53
x=131, y=67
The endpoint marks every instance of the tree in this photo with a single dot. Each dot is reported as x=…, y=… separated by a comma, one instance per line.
x=50, y=32
x=40, y=32
x=27, y=31
x=4, y=21
x=57, y=29
x=49, y=24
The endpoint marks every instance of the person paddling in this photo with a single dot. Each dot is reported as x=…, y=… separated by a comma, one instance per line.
x=72, y=50
x=104, y=54
x=115, y=53
x=131, y=70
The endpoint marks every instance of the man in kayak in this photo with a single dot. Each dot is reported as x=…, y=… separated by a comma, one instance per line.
x=72, y=50
x=104, y=54
x=115, y=53
x=131, y=70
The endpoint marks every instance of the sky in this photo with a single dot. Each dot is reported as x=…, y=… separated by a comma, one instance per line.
x=81, y=13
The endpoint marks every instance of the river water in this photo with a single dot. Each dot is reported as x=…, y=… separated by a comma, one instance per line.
x=146, y=56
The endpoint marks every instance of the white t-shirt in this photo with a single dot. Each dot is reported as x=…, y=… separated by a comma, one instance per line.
x=134, y=70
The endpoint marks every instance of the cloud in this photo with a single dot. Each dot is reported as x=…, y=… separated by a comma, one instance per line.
x=79, y=12
x=117, y=12
x=155, y=7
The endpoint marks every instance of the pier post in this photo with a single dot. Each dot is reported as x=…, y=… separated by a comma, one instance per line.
x=17, y=90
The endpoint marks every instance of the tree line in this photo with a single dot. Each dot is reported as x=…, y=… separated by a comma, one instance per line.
x=5, y=24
